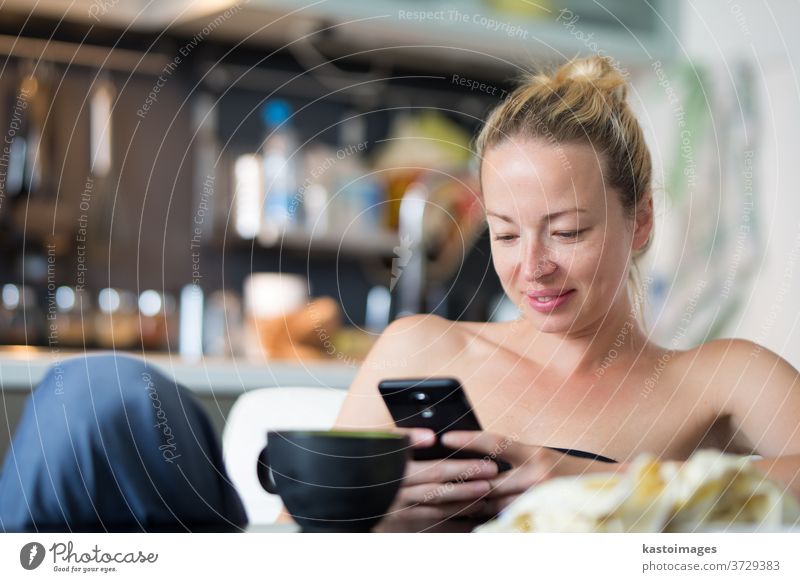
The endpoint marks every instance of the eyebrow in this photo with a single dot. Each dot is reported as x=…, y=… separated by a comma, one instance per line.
x=550, y=216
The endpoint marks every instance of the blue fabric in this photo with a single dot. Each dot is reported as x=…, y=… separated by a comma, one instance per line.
x=107, y=443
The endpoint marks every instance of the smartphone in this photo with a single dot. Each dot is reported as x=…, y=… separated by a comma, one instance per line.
x=439, y=404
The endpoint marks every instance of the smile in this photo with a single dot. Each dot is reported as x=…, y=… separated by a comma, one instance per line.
x=547, y=303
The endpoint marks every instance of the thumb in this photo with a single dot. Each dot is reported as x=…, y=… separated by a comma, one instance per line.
x=420, y=437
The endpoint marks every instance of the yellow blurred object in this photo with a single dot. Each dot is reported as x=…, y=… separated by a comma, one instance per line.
x=711, y=490
x=425, y=147
x=427, y=140
x=532, y=8
x=352, y=345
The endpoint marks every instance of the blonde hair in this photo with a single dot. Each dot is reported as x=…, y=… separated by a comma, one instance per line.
x=581, y=102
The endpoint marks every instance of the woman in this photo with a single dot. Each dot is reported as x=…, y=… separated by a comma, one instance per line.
x=566, y=184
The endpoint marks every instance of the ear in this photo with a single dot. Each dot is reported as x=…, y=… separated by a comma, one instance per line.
x=643, y=222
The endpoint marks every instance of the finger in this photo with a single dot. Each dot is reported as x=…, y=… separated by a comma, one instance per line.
x=512, y=482
x=492, y=445
x=443, y=493
x=442, y=471
x=419, y=437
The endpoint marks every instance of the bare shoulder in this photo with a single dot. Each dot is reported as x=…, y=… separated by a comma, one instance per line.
x=433, y=345
x=413, y=346
x=724, y=356
x=758, y=388
x=756, y=365
x=422, y=338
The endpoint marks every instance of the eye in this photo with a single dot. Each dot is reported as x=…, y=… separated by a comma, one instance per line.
x=505, y=237
x=569, y=234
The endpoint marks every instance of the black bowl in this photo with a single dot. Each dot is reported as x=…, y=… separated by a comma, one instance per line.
x=334, y=480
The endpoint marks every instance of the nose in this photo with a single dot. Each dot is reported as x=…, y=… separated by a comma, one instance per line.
x=536, y=262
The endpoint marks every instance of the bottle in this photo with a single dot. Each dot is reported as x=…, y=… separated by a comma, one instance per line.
x=248, y=198
x=73, y=316
x=190, y=324
x=282, y=205
x=222, y=324
x=116, y=321
x=23, y=320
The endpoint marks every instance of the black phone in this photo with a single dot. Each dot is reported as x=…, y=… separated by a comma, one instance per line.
x=439, y=404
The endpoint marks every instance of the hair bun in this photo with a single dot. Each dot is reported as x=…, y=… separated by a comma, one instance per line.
x=597, y=71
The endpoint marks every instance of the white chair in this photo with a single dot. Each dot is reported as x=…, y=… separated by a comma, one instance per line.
x=258, y=411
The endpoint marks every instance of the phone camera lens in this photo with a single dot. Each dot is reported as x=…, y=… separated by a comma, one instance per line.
x=427, y=413
x=419, y=396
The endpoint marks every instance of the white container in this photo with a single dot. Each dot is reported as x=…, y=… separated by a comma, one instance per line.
x=268, y=297
x=273, y=294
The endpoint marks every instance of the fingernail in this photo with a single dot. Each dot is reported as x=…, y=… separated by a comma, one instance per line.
x=423, y=436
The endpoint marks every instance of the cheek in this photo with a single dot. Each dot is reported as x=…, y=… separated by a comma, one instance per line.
x=609, y=265
x=616, y=250
x=580, y=261
x=596, y=264
x=505, y=262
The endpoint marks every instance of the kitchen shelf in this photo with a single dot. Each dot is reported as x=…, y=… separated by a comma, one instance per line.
x=22, y=368
x=300, y=242
x=357, y=245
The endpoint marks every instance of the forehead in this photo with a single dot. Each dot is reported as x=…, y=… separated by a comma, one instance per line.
x=524, y=171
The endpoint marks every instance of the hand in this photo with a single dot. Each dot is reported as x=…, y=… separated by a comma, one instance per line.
x=530, y=464
x=435, y=491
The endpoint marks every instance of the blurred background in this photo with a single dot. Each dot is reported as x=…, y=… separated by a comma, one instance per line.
x=249, y=192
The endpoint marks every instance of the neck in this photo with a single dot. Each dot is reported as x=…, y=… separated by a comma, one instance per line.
x=596, y=348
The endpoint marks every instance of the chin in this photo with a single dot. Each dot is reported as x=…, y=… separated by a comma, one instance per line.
x=563, y=322
x=552, y=327
x=560, y=319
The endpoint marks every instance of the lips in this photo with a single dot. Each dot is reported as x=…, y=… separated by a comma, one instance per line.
x=547, y=300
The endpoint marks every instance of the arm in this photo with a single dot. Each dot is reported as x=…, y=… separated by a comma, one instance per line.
x=432, y=491
x=362, y=408
x=784, y=469
x=531, y=464
x=754, y=386
x=761, y=392
x=414, y=347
